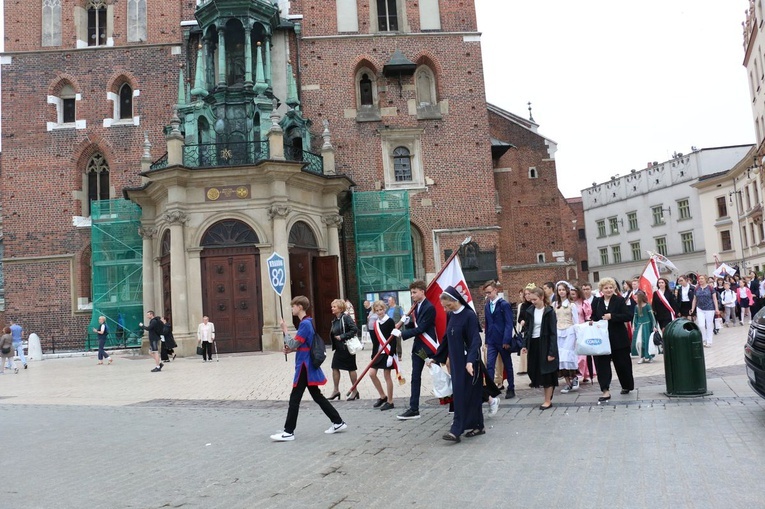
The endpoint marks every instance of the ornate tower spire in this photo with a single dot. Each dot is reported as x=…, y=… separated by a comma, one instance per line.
x=292, y=97
x=199, y=77
x=531, y=117
x=181, y=88
x=260, y=75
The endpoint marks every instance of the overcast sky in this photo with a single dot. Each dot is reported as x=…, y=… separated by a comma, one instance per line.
x=618, y=84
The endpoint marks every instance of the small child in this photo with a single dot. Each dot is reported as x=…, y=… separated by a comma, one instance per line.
x=744, y=299
x=728, y=298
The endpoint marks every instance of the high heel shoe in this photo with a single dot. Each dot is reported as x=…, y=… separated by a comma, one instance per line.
x=355, y=396
x=335, y=395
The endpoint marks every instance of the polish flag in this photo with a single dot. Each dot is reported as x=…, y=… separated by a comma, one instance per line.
x=450, y=276
x=649, y=283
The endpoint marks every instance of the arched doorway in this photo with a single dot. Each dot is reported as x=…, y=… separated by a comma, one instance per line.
x=231, y=292
x=312, y=275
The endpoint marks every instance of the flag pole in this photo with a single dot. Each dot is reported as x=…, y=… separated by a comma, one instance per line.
x=411, y=310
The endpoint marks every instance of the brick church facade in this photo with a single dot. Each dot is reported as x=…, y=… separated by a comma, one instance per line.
x=107, y=100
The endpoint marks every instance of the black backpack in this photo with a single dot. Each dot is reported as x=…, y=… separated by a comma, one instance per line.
x=318, y=349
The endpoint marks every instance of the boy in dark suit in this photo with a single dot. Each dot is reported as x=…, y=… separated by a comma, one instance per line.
x=499, y=333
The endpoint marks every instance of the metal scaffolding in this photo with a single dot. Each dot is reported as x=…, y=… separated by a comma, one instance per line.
x=384, y=260
x=117, y=265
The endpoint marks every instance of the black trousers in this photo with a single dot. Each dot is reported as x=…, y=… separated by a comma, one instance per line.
x=318, y=397
x=622, y=364
x=206, y=350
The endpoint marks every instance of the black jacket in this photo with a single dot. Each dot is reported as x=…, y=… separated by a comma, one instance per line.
x=548, y=339
x=620, y=315
x=344, y=327
x=155, y=328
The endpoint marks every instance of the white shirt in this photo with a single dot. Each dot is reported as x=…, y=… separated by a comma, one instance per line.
x=536, y=331
x=206, y=332
x=684, y=293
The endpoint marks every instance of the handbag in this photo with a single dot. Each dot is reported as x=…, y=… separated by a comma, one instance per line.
x=592, y=339
x=6, y=349
x=352, y=344
x=200, y=350
x=516, y=342
x=656, y=338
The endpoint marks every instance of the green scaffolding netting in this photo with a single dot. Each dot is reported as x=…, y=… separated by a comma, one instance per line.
x=117, y=284
x=384, y=260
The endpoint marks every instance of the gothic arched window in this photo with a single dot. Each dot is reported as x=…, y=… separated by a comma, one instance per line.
x=97, y=172
x=126, y=102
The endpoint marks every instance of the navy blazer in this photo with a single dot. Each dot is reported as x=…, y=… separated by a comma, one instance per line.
x=754, y=287
x=499, y=324
x=426, y=322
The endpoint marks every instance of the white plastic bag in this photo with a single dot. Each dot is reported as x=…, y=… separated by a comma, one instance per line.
x=442, y=381
x=592, y=339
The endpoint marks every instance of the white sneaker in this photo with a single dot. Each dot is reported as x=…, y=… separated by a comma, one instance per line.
x=493, y=406
x=641, y=361
x=283, y=437
x=566, y=389
x=575, y=384
x=336, y=428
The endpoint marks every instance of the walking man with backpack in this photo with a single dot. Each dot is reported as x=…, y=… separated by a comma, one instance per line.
x=308, y=373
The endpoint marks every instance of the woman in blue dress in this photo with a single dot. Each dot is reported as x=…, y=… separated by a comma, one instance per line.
x=462, y=345
x=306, y=375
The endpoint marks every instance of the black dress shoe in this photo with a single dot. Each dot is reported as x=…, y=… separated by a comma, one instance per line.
x=624, y=391
x=510, y=394
x=380, y=401
x=451, y=438
x=542, y=407
x=603, y=398
x=387, y=406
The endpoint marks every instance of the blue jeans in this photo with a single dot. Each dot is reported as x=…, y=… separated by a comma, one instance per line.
x=101, y=352
x=507, y=358
x=418, y=363
x=19, y=347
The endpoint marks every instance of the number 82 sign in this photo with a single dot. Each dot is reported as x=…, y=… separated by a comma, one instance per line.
x=276, y=272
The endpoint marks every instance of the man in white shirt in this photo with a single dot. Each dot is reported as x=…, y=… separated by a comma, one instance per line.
x=206, y=336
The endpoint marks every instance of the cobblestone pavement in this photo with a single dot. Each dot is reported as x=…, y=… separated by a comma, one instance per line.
x=196, y=435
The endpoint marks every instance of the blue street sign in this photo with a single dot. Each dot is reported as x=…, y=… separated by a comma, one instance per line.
x=276, y=272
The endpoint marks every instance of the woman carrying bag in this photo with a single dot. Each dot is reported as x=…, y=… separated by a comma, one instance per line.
x=343, y=329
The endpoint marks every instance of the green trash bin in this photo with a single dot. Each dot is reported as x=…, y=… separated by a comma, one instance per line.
x=684, y=366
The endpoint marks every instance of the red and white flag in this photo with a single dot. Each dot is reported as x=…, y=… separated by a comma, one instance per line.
x=649, y=282
x=451, y=276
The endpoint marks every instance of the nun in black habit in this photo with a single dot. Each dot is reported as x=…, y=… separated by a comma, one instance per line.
x=462, y=345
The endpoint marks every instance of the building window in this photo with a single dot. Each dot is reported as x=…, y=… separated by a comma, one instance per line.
x=603, y=256
x=596, y=277
x=748, y=198
x=98, y=179
x=96, y=23
x=51, y=23
x=755, y=194
x=367, y=108
x=616, y=252
x=533, y=173
x=751, y=231
x=582, y=234
x=637, y=255
x=613, y=225
x=684, y=209
x=722, y=207
x=661, y=245
x=687, y=241
x=126, y=102
x=601, y=228
x=402, y=164
x=387, y=17
x=632, y=220
x=402, y=158
x=69, y=109
x=540, y=258
x=725, y=241
x=658, y=215
x=744, y=239
x=585, y=266
x=136, y=21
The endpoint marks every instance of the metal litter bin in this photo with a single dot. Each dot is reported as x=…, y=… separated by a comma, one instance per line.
x=684, y=365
